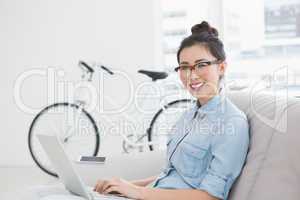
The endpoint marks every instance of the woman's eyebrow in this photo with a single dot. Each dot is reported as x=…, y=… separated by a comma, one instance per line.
x=184, y=62
x=199, y=60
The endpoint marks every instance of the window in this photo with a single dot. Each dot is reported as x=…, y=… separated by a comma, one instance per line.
x=261, y=38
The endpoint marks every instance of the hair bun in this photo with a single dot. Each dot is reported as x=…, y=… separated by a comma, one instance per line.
x=204, y=27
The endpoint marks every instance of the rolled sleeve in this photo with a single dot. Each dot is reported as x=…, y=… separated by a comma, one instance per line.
x=215, y=185
x=229, y=149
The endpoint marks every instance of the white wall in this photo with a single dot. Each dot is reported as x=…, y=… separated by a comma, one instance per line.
x=36, y=34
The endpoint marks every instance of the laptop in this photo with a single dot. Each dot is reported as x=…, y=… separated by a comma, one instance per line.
x=66, y=172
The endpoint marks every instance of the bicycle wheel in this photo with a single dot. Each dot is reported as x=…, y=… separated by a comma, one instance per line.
x=74, y=127
x=164, y=120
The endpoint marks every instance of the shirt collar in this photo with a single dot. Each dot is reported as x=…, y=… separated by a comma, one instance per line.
x=214, y=104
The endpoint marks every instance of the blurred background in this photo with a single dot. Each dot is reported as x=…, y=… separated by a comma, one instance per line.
x=42, y=41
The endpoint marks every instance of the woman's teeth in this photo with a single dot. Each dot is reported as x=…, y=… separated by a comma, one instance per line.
x=196, y=86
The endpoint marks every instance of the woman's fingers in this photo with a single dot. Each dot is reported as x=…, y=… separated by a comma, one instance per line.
x=109, y=184
x=99, y=186
x=112, y=189
x=119, y=187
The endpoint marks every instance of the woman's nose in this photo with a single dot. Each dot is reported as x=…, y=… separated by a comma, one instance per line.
x=193, y=74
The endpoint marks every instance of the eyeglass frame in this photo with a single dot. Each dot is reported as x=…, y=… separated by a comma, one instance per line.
x=193, y=67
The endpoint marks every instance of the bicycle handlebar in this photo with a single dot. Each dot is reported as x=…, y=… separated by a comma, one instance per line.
x=86, y=66
x=106, y=69
x=91, y=70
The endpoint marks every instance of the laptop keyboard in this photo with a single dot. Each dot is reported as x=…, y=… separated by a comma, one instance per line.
x=98, y=196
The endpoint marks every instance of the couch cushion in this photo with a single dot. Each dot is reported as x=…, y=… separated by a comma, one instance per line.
x=272, y=168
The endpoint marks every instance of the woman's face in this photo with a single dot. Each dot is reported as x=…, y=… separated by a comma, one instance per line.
x=202, y=83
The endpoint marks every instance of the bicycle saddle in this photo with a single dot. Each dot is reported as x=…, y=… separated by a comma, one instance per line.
x=154, y=75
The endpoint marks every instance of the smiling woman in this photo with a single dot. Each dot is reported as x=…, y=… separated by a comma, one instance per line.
x=200, y=51
x=208, y=147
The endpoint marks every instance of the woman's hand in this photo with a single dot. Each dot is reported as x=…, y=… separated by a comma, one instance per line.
x=118, y=185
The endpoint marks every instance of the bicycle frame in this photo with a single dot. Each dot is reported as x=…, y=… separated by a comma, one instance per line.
x=138, y=137
x=81, y=101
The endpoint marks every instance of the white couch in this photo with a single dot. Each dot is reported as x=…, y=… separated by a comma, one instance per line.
x=272, y=168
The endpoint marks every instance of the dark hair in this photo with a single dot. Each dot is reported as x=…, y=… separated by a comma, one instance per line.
x=206, y=35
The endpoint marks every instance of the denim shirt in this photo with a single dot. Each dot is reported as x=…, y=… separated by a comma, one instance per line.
x=207, y=149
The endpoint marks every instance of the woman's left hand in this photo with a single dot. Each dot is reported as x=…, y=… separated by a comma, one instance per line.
x=123, y=187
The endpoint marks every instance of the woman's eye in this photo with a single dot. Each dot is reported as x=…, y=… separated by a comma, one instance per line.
x=200, y=65
x=184, y=68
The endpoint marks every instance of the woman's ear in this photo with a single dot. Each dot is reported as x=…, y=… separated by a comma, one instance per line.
x=222, y=67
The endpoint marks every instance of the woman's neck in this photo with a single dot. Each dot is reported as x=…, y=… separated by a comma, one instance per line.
x=204, y=100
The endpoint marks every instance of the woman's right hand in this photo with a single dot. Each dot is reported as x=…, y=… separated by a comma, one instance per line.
x=99, y=185
x=119, y=187
x=143, y=182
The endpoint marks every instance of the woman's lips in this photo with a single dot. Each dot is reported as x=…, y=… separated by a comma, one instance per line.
x=196, y=86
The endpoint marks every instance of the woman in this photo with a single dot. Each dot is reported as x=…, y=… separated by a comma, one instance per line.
x=208, y=148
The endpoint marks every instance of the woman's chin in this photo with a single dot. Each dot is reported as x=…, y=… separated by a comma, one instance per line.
x=200, y=94
x=196, y=91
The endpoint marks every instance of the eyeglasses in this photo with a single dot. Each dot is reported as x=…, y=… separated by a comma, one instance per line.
x=199, y=65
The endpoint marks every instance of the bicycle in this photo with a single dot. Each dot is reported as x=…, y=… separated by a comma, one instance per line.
x=161, y=124
x=79, y=133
